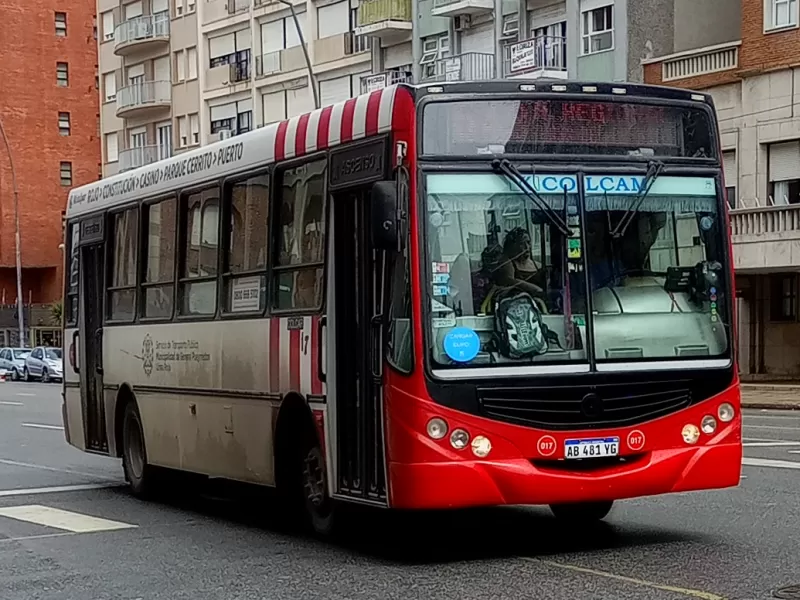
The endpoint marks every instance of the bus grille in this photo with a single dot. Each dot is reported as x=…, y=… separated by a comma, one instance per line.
x=589, y=407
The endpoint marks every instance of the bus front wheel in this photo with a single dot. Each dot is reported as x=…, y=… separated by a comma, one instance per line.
x=584, y=512
x=139, y=475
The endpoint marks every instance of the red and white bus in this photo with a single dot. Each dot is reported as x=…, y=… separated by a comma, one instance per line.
x=452, y=295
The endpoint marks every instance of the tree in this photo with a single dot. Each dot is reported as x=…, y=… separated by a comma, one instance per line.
x=56, y=312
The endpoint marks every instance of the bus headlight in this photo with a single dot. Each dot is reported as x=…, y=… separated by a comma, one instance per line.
x=481, y=446
x=459, y=439
x=708, y=424
x=690, y=433
x=437, y=428
x=725, y=412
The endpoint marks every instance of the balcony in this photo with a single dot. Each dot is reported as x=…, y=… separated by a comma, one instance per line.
x=543, y=56
x=215, y=10
x=454, y=8
x=133, y=158
x=229, y=74
x=336, y=47
x=141, y=98
x=141, y=34
x=370, y=83
x=389, y=20
x=766, y=237
x=699, y=62
x=470, y=66
x=280, y=61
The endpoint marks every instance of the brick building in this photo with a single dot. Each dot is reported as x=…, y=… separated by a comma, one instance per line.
x=751, y=70
x=49, y=108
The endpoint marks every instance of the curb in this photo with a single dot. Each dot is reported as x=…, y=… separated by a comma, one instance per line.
x=771, y=405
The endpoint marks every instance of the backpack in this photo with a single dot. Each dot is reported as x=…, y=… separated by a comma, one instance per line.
x=519, y=330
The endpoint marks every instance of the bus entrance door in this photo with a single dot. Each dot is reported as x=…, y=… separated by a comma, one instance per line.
x=91, y=360
x=355, y=306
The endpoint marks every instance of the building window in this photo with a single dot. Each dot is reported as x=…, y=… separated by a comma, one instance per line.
x=246, y=256
x=200, y=240
x=66, y=174
x=434, y=48
x=112, y=147
x=783, y=297
x=730, y=194
x=61, y=24
x=597, y=29
x=191, y=58
x=194, y=129
x=190, y=6
x=780, y=13
x=62, y=74
x=63, y=123
x=122, y=264
x=159, y=258
x=110, y=85
x=298, y=263
x=180, y=65
x=178, y=8
x=236, y=117
x=783, y=170
x=108, y=26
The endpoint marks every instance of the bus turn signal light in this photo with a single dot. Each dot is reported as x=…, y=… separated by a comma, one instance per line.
x=725, y=412
x=690, y=433
x=481, y=446
x=459, y=439
x=437, y=428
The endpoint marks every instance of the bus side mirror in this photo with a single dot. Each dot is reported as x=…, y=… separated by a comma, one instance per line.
x=383, y=210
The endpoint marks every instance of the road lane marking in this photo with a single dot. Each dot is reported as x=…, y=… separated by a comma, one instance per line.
x=61, y=519
x=775, y=427
x=633, y=580
x=769, y=444
x=25, y=394
x=41, y=426
x=9, y=403
x=768, y=462
x=16, y=463
x=35, y=537
x=57, y=488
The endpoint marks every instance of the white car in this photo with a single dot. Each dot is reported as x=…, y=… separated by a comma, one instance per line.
x=12, y=361
x=45, y=364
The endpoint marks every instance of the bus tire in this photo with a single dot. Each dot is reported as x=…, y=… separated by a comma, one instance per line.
x=319, y=506
x=139, y=475
x=583, y=512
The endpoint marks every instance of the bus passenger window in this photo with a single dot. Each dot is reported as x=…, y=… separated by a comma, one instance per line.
x=73, y=278
x=246, y=260
x=122, y=291
x=200, y=224
x=159, y=260
x=301, y=238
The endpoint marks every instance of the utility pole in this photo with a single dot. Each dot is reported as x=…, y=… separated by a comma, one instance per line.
x=20, y=301
x=312, y=78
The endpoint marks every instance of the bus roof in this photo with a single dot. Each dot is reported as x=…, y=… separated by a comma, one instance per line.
x=353, y=119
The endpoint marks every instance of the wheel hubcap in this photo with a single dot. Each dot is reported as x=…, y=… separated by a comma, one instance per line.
x=133, y=443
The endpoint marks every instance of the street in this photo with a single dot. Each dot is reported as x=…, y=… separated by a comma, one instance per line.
x=69, y=530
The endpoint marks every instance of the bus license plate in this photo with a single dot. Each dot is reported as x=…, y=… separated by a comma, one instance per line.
x=596, y=448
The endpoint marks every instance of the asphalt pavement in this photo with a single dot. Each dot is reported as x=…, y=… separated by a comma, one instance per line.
x=70, y=531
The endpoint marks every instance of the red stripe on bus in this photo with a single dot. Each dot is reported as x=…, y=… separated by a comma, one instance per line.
x=274, y=355
x=373, y=112
x=316, y=384
x=294, y=358
x=347, y=120
x=300, y=138
x=323, y=128
x=280, y=140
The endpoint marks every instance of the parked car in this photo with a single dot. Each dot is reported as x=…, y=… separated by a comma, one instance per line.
x=44, y=363
x=12, y=361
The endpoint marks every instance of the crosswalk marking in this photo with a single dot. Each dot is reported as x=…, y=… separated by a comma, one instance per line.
x=768, y=462
x=61, y=519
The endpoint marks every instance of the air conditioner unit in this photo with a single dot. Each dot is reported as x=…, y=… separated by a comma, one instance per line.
x=462, y=22
x=224, y=134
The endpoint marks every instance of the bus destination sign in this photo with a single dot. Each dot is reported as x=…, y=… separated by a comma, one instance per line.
x=358, y=165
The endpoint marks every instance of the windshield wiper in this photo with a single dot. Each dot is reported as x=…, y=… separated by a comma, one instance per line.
x=511, y=172
x=653, y=171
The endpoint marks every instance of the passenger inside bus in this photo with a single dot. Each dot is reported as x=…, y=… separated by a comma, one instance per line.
x=502, y=274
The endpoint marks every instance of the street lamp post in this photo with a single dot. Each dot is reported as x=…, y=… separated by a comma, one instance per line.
x=20, y=303
x=311, y=76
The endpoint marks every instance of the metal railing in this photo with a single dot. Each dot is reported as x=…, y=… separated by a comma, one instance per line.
x=470, y=66
x=238, y=6
x=765, y=220
x=375, y=11
x=268, y=64
x=543, y=53
x=357, y=43
x=133, y=158
x=141, y=94
x=240, y=71
x=144, y=28
x=370, y=83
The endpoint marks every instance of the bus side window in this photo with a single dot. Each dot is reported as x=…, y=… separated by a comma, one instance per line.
x=159, y=259
x=300, y=250
x=400, y=337
x=197, y=288
x=71, y=308
x=122, y=265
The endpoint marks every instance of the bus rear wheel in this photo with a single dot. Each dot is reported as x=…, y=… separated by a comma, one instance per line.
x=584, y=512
x=318, y=503
x=139, y=475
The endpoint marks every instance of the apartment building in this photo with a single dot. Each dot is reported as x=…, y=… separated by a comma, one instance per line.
x=750, y=69
x=180, y=73
x=48, y=107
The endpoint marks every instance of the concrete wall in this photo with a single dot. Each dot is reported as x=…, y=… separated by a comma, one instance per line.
x=700, y=23
x=651, y=28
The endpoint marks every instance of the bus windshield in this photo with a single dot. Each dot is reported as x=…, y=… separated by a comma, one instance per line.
x=657, y=285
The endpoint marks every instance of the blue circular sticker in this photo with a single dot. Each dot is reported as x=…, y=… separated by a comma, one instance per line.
x=462, y=344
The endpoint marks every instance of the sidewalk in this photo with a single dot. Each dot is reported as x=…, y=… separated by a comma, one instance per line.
x=785, y=396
